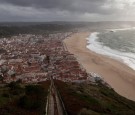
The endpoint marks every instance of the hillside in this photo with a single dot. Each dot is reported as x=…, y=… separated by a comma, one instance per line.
x=90, y=99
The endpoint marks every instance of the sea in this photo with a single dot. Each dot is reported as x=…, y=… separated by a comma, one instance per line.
x=118, y=44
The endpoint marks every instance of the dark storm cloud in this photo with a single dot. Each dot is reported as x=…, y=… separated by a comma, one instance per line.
x=79, y=6
x=66, y=10
x=37, y=3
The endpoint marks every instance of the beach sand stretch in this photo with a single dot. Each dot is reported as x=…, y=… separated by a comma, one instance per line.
x=118, y=75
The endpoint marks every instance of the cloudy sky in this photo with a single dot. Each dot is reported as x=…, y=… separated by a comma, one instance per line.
x=67, y=10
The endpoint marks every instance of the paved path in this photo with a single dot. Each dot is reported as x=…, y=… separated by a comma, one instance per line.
x=54, y=103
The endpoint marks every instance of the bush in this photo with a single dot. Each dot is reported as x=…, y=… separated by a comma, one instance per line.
x=29, y=103
x=13, y=85
x=33, y=98
x=34, y=90
x=5, y=95
x=15, y=88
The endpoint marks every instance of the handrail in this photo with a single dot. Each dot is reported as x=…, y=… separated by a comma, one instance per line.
x=62, y=103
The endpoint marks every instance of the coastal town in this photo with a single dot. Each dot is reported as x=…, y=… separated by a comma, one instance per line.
x=35, y=58
x=67, y=57
x=32, y=59
x=40, y=75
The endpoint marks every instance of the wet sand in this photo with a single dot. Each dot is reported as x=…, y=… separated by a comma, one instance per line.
x=118, y=75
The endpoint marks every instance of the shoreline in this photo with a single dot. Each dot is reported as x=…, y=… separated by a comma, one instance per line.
x=127, y=58
x=118, y=75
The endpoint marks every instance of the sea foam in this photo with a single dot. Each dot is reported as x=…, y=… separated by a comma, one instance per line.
x=98, y=47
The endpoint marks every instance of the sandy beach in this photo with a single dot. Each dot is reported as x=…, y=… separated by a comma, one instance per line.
x=118, y=75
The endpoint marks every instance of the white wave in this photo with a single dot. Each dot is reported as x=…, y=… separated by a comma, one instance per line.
x=94, y=45
x=121, y=29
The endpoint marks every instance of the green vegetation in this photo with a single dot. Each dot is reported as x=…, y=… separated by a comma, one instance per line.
x=38, y=29
x=20, y=99
x=87, y=112
x=33, y=98
x=88, y=99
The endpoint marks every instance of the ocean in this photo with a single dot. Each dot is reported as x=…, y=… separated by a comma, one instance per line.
x=117, y=43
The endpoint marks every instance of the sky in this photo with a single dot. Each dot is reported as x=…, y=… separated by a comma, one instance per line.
x=67, y=10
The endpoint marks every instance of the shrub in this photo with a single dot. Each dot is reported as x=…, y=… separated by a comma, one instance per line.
x=34, y=90
x=15, y=88
x=29, y=103
x=33, y=98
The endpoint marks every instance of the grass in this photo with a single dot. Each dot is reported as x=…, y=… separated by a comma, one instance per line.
x=88, y=99
x=87, y=112
x=20, y=99
x=79, y=99
x=3, y=100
